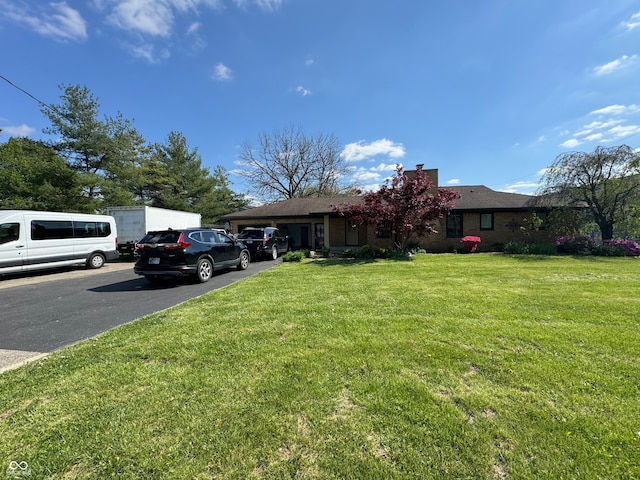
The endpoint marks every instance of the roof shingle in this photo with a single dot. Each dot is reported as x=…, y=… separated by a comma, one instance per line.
x=474, y=197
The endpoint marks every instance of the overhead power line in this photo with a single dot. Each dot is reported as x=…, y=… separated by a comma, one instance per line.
x=43, y=104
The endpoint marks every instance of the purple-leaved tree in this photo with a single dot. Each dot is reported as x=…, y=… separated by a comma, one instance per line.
x=405, y=207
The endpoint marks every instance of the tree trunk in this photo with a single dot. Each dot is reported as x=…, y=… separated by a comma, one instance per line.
x=607, y=231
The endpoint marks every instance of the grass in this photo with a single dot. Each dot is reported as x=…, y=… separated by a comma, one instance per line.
x=445, y=366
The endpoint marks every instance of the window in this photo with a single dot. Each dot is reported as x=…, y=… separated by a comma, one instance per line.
x=222, y=238
x=319, y=233
x=544, y=216
x=383, y=230
x=91, y=229
x=486, y=221
x=9, y=232
x=50, y=229
x=454, y=225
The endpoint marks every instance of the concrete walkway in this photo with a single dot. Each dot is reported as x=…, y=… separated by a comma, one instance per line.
x=10, y=359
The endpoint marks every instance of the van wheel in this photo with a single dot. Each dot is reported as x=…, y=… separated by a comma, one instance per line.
x=274, y=252
x=204, y=270
x=96, y=260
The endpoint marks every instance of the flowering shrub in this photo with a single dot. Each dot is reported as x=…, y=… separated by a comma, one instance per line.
x=579, y=245
x=470, y=242
x=630, y=247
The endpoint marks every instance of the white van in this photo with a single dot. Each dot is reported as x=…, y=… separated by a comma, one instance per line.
x=31, y=240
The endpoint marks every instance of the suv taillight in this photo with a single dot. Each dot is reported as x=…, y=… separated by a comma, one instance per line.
x=179, y=245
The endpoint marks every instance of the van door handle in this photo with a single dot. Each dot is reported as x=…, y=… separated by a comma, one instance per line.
x=19, y=246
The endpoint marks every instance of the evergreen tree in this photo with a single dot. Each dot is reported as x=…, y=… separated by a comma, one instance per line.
x=34, y=177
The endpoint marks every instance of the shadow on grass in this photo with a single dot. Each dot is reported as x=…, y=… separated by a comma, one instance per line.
x=349, y=262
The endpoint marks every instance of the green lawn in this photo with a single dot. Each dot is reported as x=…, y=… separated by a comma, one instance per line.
x=446, y=366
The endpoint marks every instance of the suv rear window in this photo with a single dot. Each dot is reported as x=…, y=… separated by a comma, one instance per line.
x=161, y=237
x=251, y=234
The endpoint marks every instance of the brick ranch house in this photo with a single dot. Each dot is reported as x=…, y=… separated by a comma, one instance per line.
x=312, y=223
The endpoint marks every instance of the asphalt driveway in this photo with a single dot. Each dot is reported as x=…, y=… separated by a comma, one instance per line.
x=44, y=312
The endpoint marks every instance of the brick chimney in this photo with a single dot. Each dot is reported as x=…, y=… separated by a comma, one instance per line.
x=432, y=173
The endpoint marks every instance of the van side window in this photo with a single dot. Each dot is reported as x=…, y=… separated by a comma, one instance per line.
x=91, y=229
x=9, y=232
x=50, y=229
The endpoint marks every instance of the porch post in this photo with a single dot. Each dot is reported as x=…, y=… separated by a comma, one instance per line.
x=327, y=234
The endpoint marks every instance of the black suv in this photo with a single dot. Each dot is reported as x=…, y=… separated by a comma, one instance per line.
x=264, y=242
x=194, y=251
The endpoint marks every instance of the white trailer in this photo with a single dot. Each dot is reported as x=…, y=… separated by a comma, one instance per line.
x=134, y=222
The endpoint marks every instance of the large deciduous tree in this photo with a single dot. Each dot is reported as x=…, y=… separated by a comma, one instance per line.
x=290, y=164
x=406, y=206
x=605, y=181
x=34, y=177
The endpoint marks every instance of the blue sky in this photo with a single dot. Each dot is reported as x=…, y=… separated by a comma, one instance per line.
x=489, y=92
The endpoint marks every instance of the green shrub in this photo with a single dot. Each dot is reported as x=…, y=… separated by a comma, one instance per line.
x=497, y=247
x=517, y=248
x=542, y=249
x=296, y=256
x=326, y=252
x=608, y=251
x=349, y=253
x=371, y=251
x=398, y=253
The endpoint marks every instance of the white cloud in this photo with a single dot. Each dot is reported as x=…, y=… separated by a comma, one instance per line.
x=594, y=137
x=194, y=28
x=633, y=22
x=269, y=5
x=385, y=167
x=611, y=67
x=303, y=91
x=612, y=125
x=354, y=152
x=453, y=181
x=617, y=110
x=571, y=143
x=593, y=126
x=56, y=20
x=366, y=176
x=222, y=73
x=526, y=188
x=148, y=52
x=624, y=131
x=17, y=131
x=152, y=17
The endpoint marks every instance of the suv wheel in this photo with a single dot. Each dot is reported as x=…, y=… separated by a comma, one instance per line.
x=244, y=260
x=274, y=252
x=204, y=270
